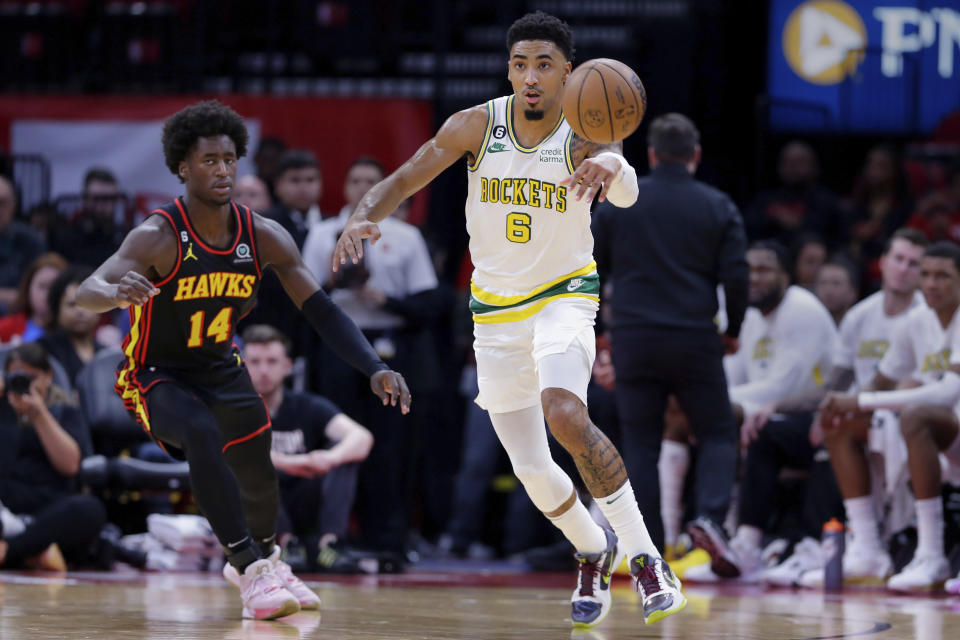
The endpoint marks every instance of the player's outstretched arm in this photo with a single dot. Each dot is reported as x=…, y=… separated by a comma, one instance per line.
x=148, y=252
x=278, y=251
x=461, y=134
x=602, y=167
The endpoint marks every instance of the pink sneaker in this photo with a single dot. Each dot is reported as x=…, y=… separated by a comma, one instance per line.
x=263, y=593
x=304, y=594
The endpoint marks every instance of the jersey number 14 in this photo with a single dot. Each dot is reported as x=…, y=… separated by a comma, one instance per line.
x=219, y=328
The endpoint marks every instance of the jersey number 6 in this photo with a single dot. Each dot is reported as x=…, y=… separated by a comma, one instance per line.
x=219, y=328
x=518, y=227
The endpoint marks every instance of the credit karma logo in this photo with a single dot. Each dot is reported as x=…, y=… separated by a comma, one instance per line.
x=823, y=41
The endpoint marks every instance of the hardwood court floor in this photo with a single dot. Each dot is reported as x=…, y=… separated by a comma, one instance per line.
x=437, y=606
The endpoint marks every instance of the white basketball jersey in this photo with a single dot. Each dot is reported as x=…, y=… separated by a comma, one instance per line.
x=530, y=239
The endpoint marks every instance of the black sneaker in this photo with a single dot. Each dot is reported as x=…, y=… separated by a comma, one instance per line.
x=712, y=539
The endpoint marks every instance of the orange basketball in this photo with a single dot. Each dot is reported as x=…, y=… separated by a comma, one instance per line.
x=604, y=100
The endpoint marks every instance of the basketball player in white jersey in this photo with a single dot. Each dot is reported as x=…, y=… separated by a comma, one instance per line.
x=865, y=334
x=925, y=349
x=535, y=293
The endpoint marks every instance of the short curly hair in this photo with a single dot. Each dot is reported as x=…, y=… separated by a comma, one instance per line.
x=542, y=26
x=201, y=120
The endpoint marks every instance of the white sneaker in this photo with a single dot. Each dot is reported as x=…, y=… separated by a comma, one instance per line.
x=953, y=586
x=590, y=602
x=749, y=560
x=807, y=556
x=924, y=573
x=263, y=594
x=304, y=594
x=862, y=567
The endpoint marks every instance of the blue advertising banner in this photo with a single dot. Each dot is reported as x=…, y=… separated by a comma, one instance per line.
x=863, y=66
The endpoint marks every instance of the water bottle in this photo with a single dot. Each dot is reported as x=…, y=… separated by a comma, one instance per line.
x=832, y=543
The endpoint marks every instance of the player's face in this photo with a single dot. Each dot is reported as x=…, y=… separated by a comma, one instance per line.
x=359, y=180
x=940, y=282
x=767, y=279
x=268, y=365
x=211, y=169
x=900, y=266
x=299, y=189
x=73, y=318
x=537, y=71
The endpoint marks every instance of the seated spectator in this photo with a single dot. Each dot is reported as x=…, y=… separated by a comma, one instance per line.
x=809, y=254
x=786, y=344
x=31, y=311
x=925, y=352
x=836, y=286
x=19, y=245
x=865, y=335
x=315, y=447
x=252, y=192
x=799, y=204
x=938, y=214
x=98, y=227
x=70, y=336
x=44, y=439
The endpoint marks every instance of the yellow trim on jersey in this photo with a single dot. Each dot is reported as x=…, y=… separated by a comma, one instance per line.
x=522, y=314
x=486, y=138
x=130, y=392
x=566, y=151
x=513, y=137
x=500, y=301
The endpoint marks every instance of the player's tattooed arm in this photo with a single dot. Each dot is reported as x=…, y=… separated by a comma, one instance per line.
x=147, y=255
x=592, y=174
x=460, y=135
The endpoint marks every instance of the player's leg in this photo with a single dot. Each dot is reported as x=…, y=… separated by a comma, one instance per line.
x=181, y=419
x=245, y=437
x=508, y=389
x=564, y=349
x=927, y=430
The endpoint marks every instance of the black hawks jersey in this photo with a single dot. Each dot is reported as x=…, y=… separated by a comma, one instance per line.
x=190, y=324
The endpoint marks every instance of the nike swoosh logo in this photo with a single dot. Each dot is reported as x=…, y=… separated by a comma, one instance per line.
x=231, y=545
x=496, y=148
x=615, y=499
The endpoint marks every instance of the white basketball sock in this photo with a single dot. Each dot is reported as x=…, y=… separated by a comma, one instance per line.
x=580, y=529
x=672, y=466
x=624, y=516
x=929, y=527
x=862, y=521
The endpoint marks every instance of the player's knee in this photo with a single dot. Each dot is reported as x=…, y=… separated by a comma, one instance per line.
x=913, y=421
x=567, y=418
x=201, y=437
x=547, y=487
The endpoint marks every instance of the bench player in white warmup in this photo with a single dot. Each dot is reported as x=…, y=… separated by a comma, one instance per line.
x=535, y=293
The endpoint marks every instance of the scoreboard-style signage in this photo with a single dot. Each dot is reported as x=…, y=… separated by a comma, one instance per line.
x=863, y=66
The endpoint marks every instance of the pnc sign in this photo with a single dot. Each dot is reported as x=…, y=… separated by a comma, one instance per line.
x=824, y=40
x=870, y=65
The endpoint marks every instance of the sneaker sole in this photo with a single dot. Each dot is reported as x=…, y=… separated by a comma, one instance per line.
x=591, y=625
x=720, y=565
x=288, y=608
x=657, y=616
x=936, y=586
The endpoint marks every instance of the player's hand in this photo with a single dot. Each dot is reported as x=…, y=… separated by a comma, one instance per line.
x=135, y=289
x=350, y=243
x=391, y=388
x=593, y=174
x=754, y=423
x=837, y=407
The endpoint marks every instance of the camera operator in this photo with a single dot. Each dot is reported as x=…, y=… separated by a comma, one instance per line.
x=44, y=439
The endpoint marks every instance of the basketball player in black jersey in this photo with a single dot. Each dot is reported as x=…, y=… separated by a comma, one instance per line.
x=188, y=273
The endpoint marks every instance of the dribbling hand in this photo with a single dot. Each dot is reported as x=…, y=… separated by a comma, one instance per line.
x=350, y=243
x=135, y=289
x=390, y=387
x=593, y=174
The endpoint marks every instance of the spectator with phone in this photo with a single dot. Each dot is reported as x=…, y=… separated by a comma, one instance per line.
x=44, y=439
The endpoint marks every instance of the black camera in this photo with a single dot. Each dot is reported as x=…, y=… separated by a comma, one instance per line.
x=18, y=383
